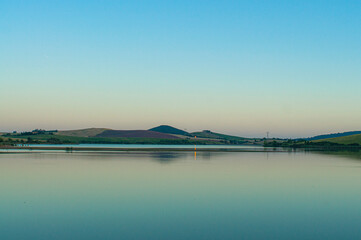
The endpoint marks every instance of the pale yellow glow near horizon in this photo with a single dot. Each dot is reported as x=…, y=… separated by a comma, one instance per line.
x=225, y=116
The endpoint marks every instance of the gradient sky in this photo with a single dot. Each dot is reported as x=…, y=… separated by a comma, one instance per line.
x=292, y=68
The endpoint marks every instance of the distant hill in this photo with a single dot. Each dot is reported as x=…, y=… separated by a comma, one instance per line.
x=163, y=134
x=134, y=134
x=213, y=135
x=88, y=132
x=169, y=129
x=333, y=135
x=350, y=139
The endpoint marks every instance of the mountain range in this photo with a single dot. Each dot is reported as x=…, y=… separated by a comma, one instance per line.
x=163, y=134
x=159, y=132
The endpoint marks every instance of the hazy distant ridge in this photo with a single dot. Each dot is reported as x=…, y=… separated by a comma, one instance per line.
x=88, y=132
x=350, y=139
x=135, y=134
x=163, y=134
x=333, y=135
x=169, y=129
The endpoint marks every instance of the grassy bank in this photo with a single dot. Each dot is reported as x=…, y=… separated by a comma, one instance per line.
x=60, y=139
x=346, y=140
x=321, y=144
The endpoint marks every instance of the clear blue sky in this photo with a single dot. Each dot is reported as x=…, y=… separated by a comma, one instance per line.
x=243, y=67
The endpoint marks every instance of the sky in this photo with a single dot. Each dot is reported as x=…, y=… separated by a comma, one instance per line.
x=291, y=68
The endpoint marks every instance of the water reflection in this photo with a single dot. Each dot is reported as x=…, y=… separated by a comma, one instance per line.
x=201, y=195
x=166, y=157
x=169, y=157
x=353, y=154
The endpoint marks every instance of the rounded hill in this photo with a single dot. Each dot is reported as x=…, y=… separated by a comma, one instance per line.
x=169, y=130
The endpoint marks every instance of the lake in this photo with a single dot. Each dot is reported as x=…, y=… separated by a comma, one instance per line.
x=180, y=195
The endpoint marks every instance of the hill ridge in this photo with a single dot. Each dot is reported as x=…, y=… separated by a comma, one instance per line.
x=169, y=130
x=350, y=139
x=135, y=133
x=332, y=135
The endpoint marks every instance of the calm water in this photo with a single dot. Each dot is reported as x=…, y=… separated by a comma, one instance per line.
x=180, y=196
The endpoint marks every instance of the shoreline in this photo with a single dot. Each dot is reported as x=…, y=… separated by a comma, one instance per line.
x=170, y=149
x=39, y=149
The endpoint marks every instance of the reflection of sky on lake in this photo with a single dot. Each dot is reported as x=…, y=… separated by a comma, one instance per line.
x=179, y=196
